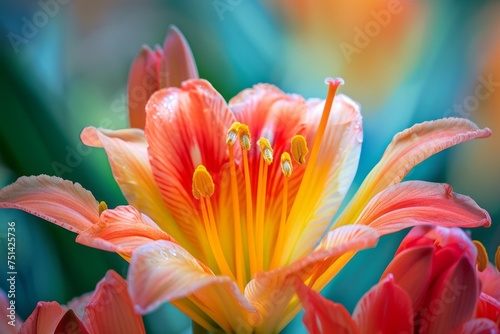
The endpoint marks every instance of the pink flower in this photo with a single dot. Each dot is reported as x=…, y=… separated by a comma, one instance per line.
x=431, y=286
x=106, y=310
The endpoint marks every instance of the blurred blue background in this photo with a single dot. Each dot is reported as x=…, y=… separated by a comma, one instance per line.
x=64, y=65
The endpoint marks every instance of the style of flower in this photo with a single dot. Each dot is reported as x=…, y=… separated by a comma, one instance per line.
x=226, y=207
x=431, y=286
x=108, y=309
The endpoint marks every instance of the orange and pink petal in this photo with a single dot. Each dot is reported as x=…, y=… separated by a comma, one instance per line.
x=51, y=198
x=407, y=149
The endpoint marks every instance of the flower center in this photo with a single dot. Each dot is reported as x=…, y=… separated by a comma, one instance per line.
x=249, y=232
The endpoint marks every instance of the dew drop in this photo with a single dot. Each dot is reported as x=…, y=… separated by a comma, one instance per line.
x=359, y=137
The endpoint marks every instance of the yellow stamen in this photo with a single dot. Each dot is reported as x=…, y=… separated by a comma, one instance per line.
x=232, y=134
x=299, y=149
x=267, y=157
x=238, y=240
x=102, y=206
x=286, y=167
x=482, y=255
x=497, y=258
x=245, y=141
x=203, y=188
x=265, y=150
x=203, y=184
x=286, y=164
x=302, y=193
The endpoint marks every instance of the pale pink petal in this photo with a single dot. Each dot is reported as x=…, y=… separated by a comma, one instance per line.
x=70, y=323
x=44, y=318
x=385, y=308
x=78, y=304
x=178, y=62
x=163, y=271
x=322, y=315
x=61, y=202
x=452, y=299
x=488, y=308
x=186, y=127
x=490, y=279
x=478, y=326
x=408, y=149
x=122, y=230
x=11, y=322
x=318, y=268
x=417, y=203
x=441, y=236
x=110, y=310
x=411, y=270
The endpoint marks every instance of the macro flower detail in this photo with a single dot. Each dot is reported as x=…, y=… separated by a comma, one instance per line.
x=431, y=286
x=230, y=204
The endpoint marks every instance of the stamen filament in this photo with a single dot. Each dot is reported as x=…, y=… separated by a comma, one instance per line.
x=213, y=237
x=281, y=229
x=238, y=241
x=260, y=213
x=250, y=223
x=287, y=251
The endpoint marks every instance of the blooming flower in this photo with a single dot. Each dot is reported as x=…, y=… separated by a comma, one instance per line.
x=431, y=286
x=106, y=310
x=226, y=207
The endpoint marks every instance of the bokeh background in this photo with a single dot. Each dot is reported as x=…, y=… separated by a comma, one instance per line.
x=64, y=65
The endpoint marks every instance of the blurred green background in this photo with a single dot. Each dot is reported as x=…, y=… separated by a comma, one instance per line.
x=64, y=65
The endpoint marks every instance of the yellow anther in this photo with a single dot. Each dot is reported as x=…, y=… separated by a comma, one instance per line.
x=102, y=206
x=299, y=149
x=244, y=135
x=203, y=184
x=482, y=256
x=266, y=150
x=232, y=133
x=497, y=258
x=286, y=164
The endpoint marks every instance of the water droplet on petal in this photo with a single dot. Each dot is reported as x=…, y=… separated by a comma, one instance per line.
x=172, y=251
x=359, y=137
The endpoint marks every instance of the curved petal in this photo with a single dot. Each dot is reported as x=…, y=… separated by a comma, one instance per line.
x=61, y=202
x=129, y=161
x=163, y=271
x=70, y=323
x=478, y=326
x=271, y=292
x=452, y=299
x=186, y=128
x=44, y=318
x=110, y=310
x=490, y=279
x=488, y=308
x=322, y=315
x=122, y=230
x=408, y=149
x=411, y=270
x=177, y=62
x=386, y=308
x=334, y=169
x=414, y=203
x=143, y=81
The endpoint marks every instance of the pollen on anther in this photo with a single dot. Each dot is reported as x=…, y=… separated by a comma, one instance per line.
x=286, y=164
x=482, y=255
x=299, y=149
x=203, y=184
x=232, y=134
x=266, y=150
x=102, y=207
x=244, y=135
